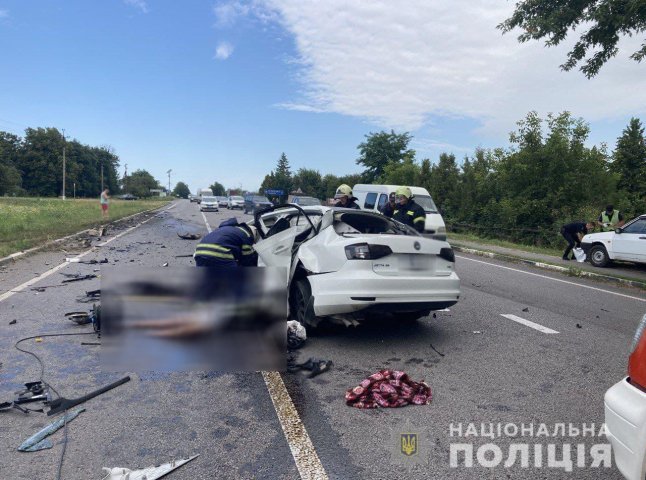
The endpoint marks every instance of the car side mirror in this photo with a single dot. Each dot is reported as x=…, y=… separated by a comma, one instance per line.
x=617, y=230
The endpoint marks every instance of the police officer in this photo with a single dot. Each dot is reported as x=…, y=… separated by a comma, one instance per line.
x=344, y=197
x=610, y=219
x=389, y=207
x=231, y=245
x=573, y=234
x=407, y=211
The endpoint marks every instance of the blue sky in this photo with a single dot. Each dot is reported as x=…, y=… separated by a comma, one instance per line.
x=217, y=90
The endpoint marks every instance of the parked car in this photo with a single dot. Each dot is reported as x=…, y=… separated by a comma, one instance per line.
x=252, y=203
x=627, y=243
x=350, y=264
x=235, y=201
x=625, y=411
x=209, y=204
x=128, y=196
x=374, y=197
x=222, y=201
x=193, y=198
x=303, y=200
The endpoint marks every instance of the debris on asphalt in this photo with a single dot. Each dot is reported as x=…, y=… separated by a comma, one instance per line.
x=44, y=287
x=189, y=236
x=165, y=264
x=314, y=365
x=80, y=318
x=436, y=351
x=39, y=440
x=477, y=332
x=148, y=473
x=62, y=403
x=90, y=296
x=578, y=325
x=526, y=309
x=78, y=277
x=90, y=343
x=296, y=334
x=184, y=256
x=13, y=322
x=388, y=389
x=38, y=340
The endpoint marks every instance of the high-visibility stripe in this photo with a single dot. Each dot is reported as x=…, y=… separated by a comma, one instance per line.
x=245, y=231
x=410, y=212
x=206, y=253
x=419, y=219
x=213, y=246
x=250, y=252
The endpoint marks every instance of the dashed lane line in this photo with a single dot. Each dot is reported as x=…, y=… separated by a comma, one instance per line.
x=528, y=323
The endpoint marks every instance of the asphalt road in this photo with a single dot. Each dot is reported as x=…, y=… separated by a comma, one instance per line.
x=481, y=366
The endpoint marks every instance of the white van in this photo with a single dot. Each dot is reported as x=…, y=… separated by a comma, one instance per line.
x=203, y=192
x=374, y=197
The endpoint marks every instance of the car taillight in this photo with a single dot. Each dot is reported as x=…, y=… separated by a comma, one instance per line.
x=447, y=254
x=638, y=334
x=364, y=251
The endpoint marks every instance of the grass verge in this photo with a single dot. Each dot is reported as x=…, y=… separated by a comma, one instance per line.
x=503, y=243
x=28, y=222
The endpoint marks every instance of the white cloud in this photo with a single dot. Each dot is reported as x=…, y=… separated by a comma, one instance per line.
x=402, y=66
x=140, y=4
x=228, y=12
x=223, y=51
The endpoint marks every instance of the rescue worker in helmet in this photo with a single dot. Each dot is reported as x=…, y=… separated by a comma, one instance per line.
x=344, y=197
x=407, y=211
x=230, y=245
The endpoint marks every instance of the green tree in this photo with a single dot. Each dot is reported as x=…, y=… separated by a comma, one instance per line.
x=310, y=182
x=10, y=177
x=380, y=149
x=218, y=189
x=181, y=190
x=405, y=173
x=444, y=182
x=605, y=21
x=630, y=159
x=140, y=182
x=41, y=162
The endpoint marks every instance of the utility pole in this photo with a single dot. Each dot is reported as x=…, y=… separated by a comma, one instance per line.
x=125, y=180
x=74, y=190
x=168, y=172
x=63, y=164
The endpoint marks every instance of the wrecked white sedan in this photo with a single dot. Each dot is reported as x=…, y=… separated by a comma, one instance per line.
x=347, y=264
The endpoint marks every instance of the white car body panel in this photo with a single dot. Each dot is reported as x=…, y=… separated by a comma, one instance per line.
x=413, y=277
x=626, y=246
x=625, y=415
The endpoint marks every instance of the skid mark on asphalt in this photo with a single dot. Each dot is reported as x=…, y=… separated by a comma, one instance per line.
x=529, y=324
x=554, y=279
x=55, y=269
x=307, y=461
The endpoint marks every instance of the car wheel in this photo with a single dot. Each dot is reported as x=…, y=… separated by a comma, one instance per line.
x=599, y=256
x=302, y=306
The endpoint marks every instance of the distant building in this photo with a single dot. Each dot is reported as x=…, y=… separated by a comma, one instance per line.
x=158, y=192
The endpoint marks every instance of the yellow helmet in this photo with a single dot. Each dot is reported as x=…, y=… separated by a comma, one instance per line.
x=404, y=192
x=343, y=191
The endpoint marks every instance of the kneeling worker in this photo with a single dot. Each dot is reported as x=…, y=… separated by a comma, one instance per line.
x=230, y=245
x=407, y=211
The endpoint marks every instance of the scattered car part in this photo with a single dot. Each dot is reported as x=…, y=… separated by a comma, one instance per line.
x=296, y=334
x=13, y=322
x=80, y=318
x=189, y=236
x=39, y=440
x=314, y=365
x=62, y=403
x=79, y=278
x=148, y=473
x=33, y=392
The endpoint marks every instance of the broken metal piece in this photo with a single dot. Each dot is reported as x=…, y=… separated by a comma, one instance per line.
x=189, y=236
x=80, y=318
x=79, y=278
x=39, y=440
x=62, y=403
x=148, y=473
x=33, y=392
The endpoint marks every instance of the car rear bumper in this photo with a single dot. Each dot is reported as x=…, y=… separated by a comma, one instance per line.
x=336, y=294
x=209, y=209
x=625, y=409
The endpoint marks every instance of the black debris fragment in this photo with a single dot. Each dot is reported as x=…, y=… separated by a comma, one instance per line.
x=80, y=278
x=13, y=322
x=578, y=325
x=189, y=236
x=314, y=365
x=526, y=309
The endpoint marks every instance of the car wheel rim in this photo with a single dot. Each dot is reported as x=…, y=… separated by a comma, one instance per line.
x=598, y=256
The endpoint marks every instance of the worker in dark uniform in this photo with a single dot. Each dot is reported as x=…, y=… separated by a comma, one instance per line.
x=407, y=211
x=573, y=233
x=230, y=245
x=344, y=197
x=389, y=207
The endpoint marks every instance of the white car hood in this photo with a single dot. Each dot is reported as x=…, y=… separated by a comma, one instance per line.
x=598, y=237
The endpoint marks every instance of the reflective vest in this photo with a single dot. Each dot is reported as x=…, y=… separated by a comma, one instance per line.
x=614, y=220
x=411, y=214
x=230, y=242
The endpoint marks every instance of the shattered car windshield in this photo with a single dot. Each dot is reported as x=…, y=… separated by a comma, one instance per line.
x=352, y=223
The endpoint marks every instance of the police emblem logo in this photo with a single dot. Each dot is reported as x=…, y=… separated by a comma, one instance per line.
x=408, y=444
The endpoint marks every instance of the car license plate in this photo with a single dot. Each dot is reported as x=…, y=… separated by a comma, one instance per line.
x=415, y=262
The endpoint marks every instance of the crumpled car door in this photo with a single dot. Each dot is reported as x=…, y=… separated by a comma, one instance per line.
x=276, y=251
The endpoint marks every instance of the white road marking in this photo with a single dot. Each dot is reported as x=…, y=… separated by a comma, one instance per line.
x=554, y=279
x=307, y=461
x=527, y=323
x=55, y=269
x=208, y=227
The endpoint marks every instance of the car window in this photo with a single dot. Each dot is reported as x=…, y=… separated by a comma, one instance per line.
x=367, y=224
x=209, y=199
x=426, y=202
x=371, y=199
x=383, y=198
x=237, y=198
x=636, y=227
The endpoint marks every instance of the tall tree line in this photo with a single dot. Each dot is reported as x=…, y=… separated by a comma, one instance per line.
x=33, y=165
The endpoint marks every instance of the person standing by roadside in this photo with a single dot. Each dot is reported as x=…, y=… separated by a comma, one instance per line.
x=573, y=233
x=105, y=202
x=610, y=219
x=389, y=207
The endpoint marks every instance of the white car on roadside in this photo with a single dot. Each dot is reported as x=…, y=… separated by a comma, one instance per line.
x=235, y=201
x=627, y=243
x=350, y=264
